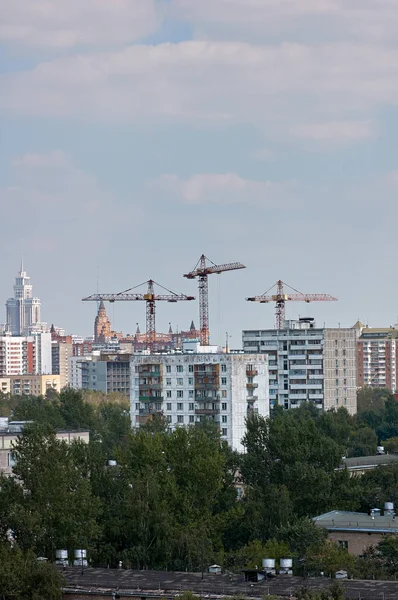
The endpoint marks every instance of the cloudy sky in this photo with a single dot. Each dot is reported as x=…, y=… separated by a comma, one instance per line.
x=136, y=135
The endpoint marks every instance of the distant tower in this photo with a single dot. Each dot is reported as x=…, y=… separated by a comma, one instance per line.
x=102, y=325
x=23, y=311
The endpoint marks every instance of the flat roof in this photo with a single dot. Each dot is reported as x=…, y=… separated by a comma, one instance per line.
x=341, y=520
x=369, y=461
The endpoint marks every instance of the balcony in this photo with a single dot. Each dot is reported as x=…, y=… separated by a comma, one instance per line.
x=252, y=398
x=150, y=386
x=206, y=386
x=148, y=372
x=206, y=411
x=251, y=372
x=151, y=398
x=200, y=398
x=251, y=386
x=315, y=396
x=295, y=397
x=297, y=356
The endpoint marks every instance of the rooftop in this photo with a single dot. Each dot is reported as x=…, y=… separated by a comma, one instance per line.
x=369, y=462
x=340, y=520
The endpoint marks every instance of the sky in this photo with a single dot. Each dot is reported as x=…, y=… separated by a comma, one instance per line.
x=136, y=135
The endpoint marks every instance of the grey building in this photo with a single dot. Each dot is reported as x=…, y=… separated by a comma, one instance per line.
x=308, y=363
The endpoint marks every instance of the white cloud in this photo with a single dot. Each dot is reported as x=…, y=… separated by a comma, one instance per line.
x=336, y=132
x=275, y=87
x=70, y=23
x=219, y=188
x=290, y=19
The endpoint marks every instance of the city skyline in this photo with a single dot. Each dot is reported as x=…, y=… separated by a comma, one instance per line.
x=140, y=134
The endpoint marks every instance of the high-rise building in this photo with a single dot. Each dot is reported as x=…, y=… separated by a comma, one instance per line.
x=24, y=355
x=61, y=352
x=200, y=384
x=23, y=310
x=377, y=357
x=307, y=363
x=102, y=372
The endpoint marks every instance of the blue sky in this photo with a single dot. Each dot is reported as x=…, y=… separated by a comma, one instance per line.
x=138, y=134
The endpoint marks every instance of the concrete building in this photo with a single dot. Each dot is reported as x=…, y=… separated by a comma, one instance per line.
x=61, y=353
x=198, y=384
x=103, y=372
x=357, y=531
x=4, y=385
x=23, y=310
x=34, y=385
x=25, y=354
x=307, y=363
x=377, y=357
x=9, y=432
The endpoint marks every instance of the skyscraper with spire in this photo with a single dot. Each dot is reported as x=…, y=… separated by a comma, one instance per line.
x=23, y=310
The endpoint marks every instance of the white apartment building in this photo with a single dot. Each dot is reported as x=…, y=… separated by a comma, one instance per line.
x=307, y=363
x=189, y=387
x=23, y=310
x=21, y=355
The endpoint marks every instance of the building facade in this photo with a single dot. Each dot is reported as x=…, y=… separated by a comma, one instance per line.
x=61, y=353
x=34, y=385
x=102, y=372
x=307, y=363
x=187, y=388
x=377, y=357
x=23, y=310
x=20, y=355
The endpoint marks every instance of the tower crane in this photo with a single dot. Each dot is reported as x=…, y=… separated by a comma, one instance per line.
x=201, y=271
x=281, y=297
x=149, y=297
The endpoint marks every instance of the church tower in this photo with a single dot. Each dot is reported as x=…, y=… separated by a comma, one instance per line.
x=102, y=325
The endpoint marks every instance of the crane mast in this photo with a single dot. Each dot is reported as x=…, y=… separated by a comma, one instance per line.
x=201, y=271
x=281, y=297
x=149, y=297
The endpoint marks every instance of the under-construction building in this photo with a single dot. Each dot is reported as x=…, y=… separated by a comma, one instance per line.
x=308, y=364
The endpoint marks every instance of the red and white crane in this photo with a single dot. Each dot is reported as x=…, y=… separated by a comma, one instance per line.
x=281, y=297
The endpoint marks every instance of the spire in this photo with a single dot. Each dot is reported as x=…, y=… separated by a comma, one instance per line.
x=101, y=306
x=192, y=328
x=22, y=266
x=170, y=329
x=138, y=329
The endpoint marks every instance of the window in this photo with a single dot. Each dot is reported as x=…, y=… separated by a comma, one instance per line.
x=191, y=419
x=223, y=381
x=137, y=406
x=168, y=394
x=11, y=459
x=180, y=369
x=168, y=369
x=190, y=381
x=180, y=419
x=168, y=406
x=168, y=381
x=190, y=368
x=180, y=381
x=191, y=406
x=180, y=393
x=223, y=368
x=158, y=406
x=136, y=382
x=168, y=418
x=224, y=431
x=224, y=419
x=224, y=406
x=224, y=393
x=343, y=544
x=190, y=393
x=180, y=406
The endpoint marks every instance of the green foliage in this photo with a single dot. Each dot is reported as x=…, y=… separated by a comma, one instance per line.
x=363, y=442
x=23, y=577
x=391, y=445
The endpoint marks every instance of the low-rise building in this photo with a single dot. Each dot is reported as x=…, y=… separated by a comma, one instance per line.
x=34, y=385
x=5, y=385
x=357, y=531
x=359, y=465
x=11, y=430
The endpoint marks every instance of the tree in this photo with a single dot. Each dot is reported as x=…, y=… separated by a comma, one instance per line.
x=23, y=577
x=388, y=549
x=57, y=509
x=363, y=442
